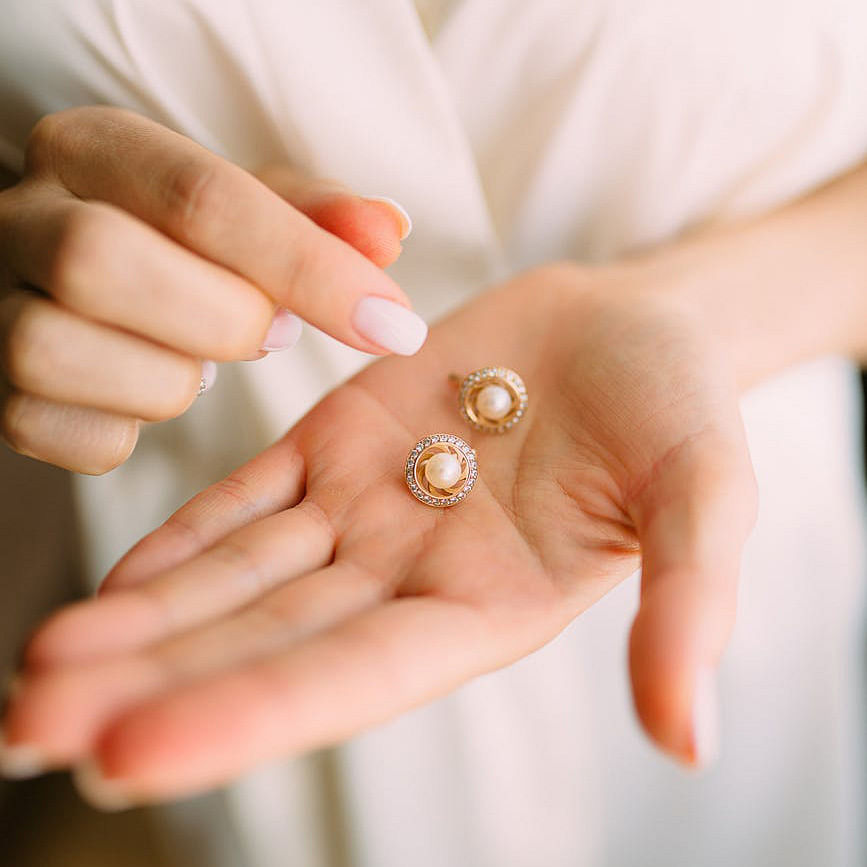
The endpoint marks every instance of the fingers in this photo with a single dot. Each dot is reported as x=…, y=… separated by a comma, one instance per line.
x=692, y=524
x=76, y=438
x=228, y=217
x=102, y=263
x=389, y=659
x=272, y=481
x=53, y=354
x=373, y=226
x=59, y=713
x=237, y=570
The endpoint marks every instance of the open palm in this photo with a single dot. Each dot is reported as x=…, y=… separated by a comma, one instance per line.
x=309, y=595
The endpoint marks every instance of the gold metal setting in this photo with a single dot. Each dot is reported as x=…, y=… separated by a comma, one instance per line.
x=471, y=387
x=416, y=463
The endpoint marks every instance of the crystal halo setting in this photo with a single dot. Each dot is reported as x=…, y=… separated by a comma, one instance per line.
x=493, y=399
x=441, y=470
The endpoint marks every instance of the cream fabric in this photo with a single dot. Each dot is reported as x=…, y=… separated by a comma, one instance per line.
x=516, y=133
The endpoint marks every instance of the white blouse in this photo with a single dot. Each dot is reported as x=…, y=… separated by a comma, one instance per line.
x=514, y=133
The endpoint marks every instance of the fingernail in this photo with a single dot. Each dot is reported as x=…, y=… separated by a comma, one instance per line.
x=99, y=792
x=403, y=216
x=705, y=719
x=389, y=325
x=209, y=376
x=20, y=761
x=284, y=331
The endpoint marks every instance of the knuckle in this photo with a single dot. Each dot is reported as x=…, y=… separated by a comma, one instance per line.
x=304, y=259
x=247, y=566
x=28, y=348
x=43, y=143
x=65, y=133
x=81, y=244
x=185, y=531
x=238, y=490
x=560, y=276
x=321, y=520
x=194, y=198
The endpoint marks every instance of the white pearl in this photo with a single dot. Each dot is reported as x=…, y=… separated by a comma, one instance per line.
x=494, y=402
x=442, y=470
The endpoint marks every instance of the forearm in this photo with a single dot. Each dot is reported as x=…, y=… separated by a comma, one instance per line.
x=782, y=288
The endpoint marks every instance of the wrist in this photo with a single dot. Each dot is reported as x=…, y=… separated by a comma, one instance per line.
x=777, y=290
x=695, y=286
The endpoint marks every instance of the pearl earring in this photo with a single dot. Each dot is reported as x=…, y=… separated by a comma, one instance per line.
x=441, y=470
x=493, y=399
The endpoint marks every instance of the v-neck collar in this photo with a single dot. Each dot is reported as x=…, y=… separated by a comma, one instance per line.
x=375, y=110
x=444, y=148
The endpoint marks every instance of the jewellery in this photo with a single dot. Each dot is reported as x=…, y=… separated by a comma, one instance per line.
x=441, y=470
x=209, y=377
x=493, y=399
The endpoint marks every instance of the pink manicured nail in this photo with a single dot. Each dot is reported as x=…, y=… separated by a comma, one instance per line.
x=705, y=719
x=99, y=792
x=400, y=211
x=20, y=761
x=389, y=325
x=284, y=331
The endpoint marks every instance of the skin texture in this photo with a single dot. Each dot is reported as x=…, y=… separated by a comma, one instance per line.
x=235, y=633
x=152, y=254
x=309, y=596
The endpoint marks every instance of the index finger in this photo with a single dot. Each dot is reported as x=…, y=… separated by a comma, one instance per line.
x=226, y=215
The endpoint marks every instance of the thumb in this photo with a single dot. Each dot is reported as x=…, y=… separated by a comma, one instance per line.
x=373, y=225
x=692, y=519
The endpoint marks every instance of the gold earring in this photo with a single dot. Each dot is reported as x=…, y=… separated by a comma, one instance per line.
x=441, y=470
x=492, y=399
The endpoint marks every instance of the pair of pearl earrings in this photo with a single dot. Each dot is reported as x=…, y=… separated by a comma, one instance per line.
x=441, y=468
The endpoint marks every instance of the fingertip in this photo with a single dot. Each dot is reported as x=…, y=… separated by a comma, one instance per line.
x=675, y=698
x=284, y=333
x=661, y=688
x=398, y=212
x=30, y=733
x=150, y=752
x=20, y=761
x=48, y=642
x=705, y=719
x=373, y=227
x=100, y=792
x=389, y=325
x=92, y=630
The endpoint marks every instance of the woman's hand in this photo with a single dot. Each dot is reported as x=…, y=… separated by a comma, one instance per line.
x=151, y=254
x=309, y=595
